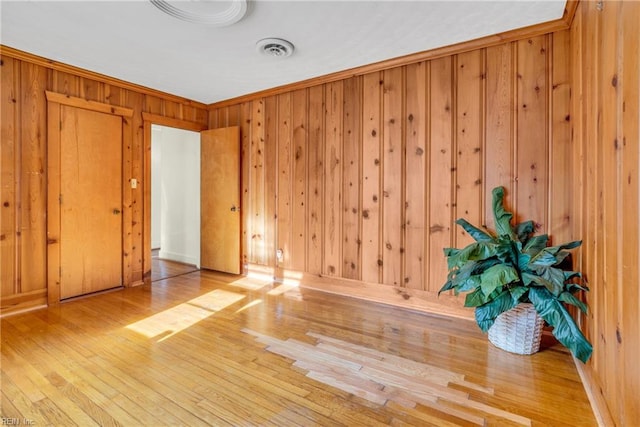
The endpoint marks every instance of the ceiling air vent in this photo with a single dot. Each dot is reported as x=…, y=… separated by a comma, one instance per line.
x=275, y=47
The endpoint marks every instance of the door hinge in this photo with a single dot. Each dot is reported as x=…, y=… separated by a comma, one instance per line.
x=60, y=124
x=60, y=199
x=60, y=271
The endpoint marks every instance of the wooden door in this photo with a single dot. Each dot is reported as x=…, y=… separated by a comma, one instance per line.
x=220, y=200
x=90, y=201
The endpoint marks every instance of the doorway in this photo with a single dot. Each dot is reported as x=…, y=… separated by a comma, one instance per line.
x=175, y=202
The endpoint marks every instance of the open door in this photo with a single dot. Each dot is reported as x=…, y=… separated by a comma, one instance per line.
x=220, y=220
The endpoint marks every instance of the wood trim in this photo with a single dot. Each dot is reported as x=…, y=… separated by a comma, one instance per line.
x=594, y=393
x=88, y=105
x=570, y=12
x=22, y=302
x=148, y=120
x=79, y=72
x=174, y=123
x=454, y=49
x=413, y=299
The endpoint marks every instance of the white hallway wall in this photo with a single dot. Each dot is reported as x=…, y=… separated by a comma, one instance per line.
x=175, y=194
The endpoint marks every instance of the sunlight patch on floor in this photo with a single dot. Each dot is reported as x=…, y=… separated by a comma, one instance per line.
x=249, y=305
x=171, y=321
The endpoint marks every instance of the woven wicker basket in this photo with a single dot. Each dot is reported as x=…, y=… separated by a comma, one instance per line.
x=518, y=330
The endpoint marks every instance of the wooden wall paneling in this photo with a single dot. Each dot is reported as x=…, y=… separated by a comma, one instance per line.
x=578, y=158
x=469, y=141
x=92, y=90
x=333, y=158
x=498, y=125
x=371, y=177
x=393, y=176
x=605, y=114
x=610, y=162
x=214, y=113
x=171, y=109
x=315, y=187
x=607, y=217
x=562, y=165
x=234, y=115
x=532, y=132
x=416, y=159
x=254, y=210
x=441, y=185
x=246, y=124
x=127, y=200
x=299, y=180
x=113, y=95
x=10, y=167
x=351, y=178
x=284, y=179
x=153, y=105
x=65, y=83
x=270, y=175
x=590, y=251
x=140, y=260
x=53, y=205
x=628, y=233
x=33, y=178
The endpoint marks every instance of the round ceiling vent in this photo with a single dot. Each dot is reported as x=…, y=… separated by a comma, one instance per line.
x=275, y=47
x=217, y=13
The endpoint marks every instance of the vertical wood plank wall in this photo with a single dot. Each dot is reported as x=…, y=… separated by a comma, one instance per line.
x=605, y=73
x=366, y=175
x=23, y=179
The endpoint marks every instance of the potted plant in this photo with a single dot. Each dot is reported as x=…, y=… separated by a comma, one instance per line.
x=513, y=271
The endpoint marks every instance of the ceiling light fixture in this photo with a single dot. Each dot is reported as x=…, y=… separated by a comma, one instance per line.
x=275, y=47
x=204, y=11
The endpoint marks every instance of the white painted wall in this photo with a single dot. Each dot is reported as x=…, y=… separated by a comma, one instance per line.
x=175, y=194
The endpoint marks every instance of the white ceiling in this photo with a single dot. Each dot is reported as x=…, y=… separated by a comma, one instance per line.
x=136, y=42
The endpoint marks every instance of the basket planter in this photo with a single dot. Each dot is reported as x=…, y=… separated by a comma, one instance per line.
x=518, y=330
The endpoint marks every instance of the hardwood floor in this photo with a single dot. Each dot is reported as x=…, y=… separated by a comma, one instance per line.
x=210, y=349
x=165, y=269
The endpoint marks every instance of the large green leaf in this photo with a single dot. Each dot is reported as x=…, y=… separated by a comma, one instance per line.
x=502, y=218
x=571, y=299
x=473, y=252
x=553, y=275
x=497, y=276
x=535, y=280
x=517, y=293
x=470, y=284
x=474, y=299
x=524, y=230
x=478, y=234
x=536, y=244
x=564, y=327
x=486, y=314
x=547, y=256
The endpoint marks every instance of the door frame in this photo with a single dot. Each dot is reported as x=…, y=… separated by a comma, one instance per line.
x=148, y=120
x=54, y=103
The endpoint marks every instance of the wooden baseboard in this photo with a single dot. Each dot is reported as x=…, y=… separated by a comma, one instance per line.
x=27, y=301
x=594, y=393
x=424, y=301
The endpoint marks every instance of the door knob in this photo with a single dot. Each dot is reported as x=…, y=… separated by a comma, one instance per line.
x=235, y=209
x=116, y=211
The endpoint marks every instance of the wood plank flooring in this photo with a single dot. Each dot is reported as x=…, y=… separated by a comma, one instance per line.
x=165, y=269
x=211, y=349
